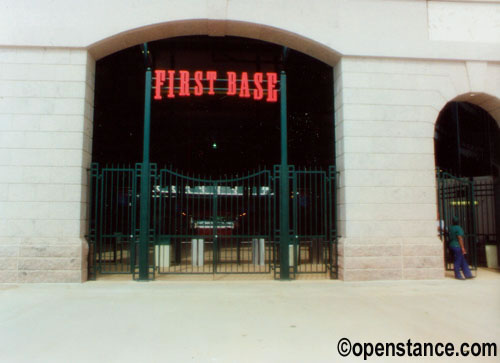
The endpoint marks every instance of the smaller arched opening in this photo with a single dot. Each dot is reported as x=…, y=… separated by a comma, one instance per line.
x=467, y=155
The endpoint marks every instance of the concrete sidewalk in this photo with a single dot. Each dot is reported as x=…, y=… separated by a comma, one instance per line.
x=241, y=321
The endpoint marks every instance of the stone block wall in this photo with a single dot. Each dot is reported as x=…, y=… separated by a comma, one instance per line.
x=46, y=108
x=385, y=112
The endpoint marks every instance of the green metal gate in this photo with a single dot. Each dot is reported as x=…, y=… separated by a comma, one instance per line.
x=456, y=198
x=313, y=221
x=113, y=219
x=207, y=226
x=213, y=226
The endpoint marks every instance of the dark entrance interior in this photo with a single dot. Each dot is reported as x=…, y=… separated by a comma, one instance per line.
x=216, y=189
x=214, y=135
x=467, y=150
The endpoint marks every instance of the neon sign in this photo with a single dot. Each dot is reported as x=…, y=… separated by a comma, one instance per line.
x=172, y=83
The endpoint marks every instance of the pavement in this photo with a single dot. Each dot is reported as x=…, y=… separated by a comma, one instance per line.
x=244, y=321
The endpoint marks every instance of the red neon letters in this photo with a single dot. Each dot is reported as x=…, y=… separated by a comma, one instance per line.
x=182, y=84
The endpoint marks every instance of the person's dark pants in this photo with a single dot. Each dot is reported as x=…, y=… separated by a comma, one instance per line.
x=460, y=263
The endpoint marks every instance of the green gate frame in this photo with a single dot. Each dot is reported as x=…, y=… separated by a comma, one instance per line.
x=195, y=196
x=178, y=202
x=456, y=198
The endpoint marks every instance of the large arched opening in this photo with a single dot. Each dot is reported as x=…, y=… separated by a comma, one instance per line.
x=215, y=184
x=467, y=154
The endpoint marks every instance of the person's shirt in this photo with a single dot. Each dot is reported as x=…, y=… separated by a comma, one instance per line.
x=454, y=232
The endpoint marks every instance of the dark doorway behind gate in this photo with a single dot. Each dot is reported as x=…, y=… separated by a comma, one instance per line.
x=214, y=135
x=467, y=149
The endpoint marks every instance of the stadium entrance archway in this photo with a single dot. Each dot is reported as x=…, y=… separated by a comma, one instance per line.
x=224, y=211
x=467, y=149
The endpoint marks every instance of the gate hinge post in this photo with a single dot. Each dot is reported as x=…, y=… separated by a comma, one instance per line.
x=145, y=194
x=284, y=187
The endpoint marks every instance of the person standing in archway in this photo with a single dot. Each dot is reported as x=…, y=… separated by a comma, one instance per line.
x=456, y=235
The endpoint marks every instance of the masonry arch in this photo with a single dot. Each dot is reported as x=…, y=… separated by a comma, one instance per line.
x=187, y=27
x=486, y=101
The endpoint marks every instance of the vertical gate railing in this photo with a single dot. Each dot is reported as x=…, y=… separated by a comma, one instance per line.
x=456, y=198
x=92, y=177
x=314, y=221
x=112, y=225
x=486, y=194
x=312, y=216
x=208, y=226
x=213, y=226
x=310, y=221
x=332, y=231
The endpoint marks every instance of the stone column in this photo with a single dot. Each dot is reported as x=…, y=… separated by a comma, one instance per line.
x=46, y=111
x=385, y=112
